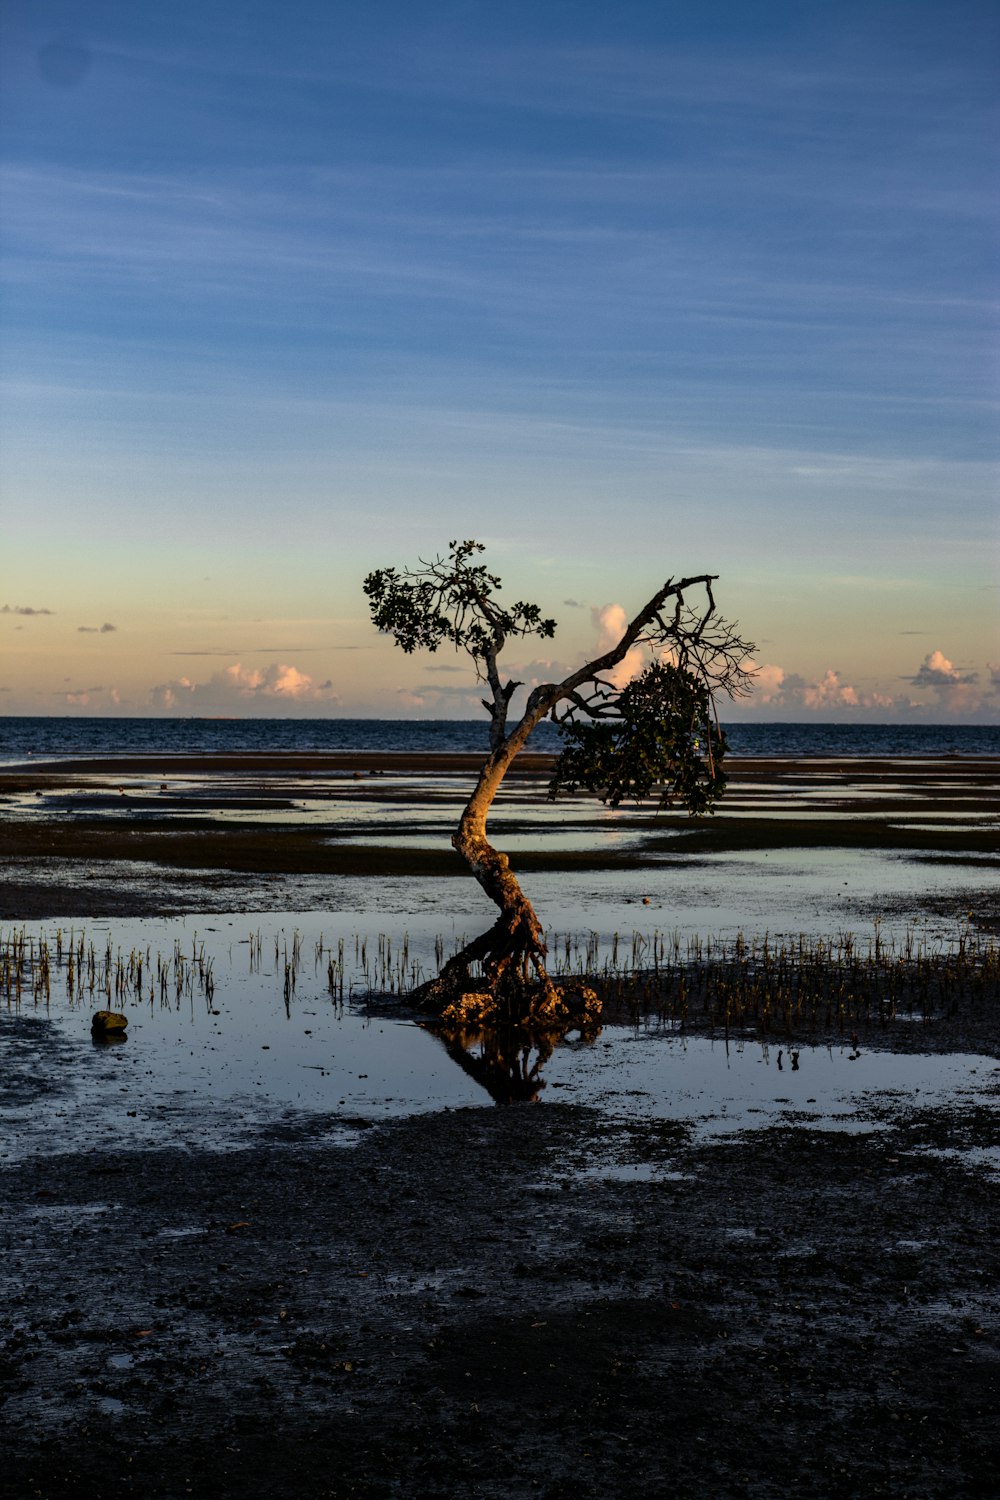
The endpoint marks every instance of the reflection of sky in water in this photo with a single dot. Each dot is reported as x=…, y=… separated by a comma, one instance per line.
x=822, y=891
x=548, y=840
x=748, y=1084
x=956, y=827
x=819, y=891
x=427, y=803
x=207, y=1073
x=424, y=807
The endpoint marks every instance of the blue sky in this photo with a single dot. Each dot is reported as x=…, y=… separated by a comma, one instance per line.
x=291, y=292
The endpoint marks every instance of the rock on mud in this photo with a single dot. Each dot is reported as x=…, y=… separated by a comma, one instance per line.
x=108, y=1022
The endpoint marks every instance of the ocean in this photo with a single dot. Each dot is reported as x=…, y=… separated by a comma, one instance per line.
x=24, y=738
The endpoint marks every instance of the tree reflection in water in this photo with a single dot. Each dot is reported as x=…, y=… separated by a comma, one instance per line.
x=507, y=1061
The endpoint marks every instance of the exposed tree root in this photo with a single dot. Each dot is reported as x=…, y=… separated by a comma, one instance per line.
x=499, y=980
x=511, y=987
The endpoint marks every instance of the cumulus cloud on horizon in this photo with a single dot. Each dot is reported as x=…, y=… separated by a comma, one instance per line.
x=610, y=621
x=936, y=671
x=436, y=695
x=108, y=697
x=23, y=609
x=955, y=689
x=776, y=688
x=238, y=685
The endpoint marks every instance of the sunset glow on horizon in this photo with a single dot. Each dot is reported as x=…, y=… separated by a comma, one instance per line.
x=293, y=293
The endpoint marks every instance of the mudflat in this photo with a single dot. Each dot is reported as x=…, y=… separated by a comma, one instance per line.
x=534, y=1300
x=464, y=1305
x=198, y=819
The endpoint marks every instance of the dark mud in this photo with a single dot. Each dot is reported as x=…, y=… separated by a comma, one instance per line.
x=468, y=1304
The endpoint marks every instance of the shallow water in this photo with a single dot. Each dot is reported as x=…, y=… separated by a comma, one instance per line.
x=820, y=891
x=412, y=808
x=211, y=1071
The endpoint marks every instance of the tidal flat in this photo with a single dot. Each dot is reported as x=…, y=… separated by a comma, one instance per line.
x=280, y=1242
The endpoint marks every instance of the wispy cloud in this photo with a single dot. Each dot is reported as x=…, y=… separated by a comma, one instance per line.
x=106, y=629
x=569, y=248
x=263, y=650
x=23, y=609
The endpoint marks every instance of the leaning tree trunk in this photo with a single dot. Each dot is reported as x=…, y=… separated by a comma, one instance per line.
x=513, y=986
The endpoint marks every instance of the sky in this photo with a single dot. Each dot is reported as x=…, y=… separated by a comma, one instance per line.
x=294, y=291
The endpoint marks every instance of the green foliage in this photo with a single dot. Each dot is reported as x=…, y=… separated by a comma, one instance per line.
x=451, y=599
x=662, y=740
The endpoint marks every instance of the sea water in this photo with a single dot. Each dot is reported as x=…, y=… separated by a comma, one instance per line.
x=24, y=739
